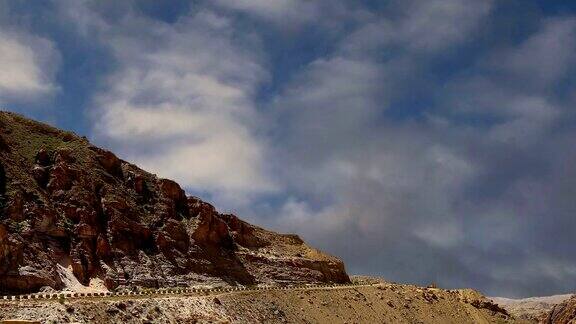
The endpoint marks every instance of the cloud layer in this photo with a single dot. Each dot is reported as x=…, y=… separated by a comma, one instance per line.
x=424, y=141
x=28, y=65
x=181, y=102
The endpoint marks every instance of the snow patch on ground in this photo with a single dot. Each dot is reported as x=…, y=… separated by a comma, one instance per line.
x=72, y=284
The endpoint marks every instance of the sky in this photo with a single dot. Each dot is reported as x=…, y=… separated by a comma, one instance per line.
x=419, y=140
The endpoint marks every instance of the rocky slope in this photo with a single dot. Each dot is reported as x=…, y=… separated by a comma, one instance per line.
x=66, y=204
x=563, y=313
x=534, y=309
x=379, y=303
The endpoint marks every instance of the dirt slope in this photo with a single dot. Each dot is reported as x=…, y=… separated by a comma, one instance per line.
x=381, y=303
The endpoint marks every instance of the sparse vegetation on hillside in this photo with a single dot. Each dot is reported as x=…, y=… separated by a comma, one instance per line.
x=67, y=201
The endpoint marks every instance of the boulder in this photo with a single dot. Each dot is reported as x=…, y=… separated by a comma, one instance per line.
x=43, y=157
x=111, y=163
x=242, y=232
x=138, y=183
x=212, y=230
x=172, y=190
x=40, y=174
x=197, y=207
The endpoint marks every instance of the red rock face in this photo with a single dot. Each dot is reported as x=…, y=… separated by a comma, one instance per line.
x=64, y=201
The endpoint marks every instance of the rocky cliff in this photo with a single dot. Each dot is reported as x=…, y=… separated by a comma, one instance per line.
x=66, y=204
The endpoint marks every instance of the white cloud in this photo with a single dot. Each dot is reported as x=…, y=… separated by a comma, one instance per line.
x=420, y=26
x=529, y=119
x=515, y=86
x=438, y=196
x=202, y=150
x=543, y=58
x=332, y=95
x=28, y=65
x=522, y=117
x=436, y=24
x=181, y=103
x=274, y=9
x=432, y=196
x=291, y=15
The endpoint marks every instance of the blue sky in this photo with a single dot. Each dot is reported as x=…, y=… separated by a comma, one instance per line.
x=422, y=141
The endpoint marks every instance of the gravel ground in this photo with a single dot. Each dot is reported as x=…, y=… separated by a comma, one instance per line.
x=379, y=303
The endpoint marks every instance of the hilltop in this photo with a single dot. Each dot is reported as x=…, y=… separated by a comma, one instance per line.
x=71, y=212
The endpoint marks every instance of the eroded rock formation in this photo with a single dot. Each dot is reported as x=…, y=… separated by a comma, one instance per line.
x=68, y=204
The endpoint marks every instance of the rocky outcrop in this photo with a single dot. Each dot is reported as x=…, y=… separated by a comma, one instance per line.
x=66, y=203
x=564, y=313
x=243, y=233
x=110, y=162
x=212, y=230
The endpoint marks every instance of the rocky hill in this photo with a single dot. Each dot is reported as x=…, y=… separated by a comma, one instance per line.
x=563, y=313
x=533, y=309
x=66, y=205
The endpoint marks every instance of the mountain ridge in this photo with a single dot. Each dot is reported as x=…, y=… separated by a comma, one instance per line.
x=64, y=201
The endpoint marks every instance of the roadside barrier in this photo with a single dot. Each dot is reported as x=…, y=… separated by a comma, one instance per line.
x=168, y=291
